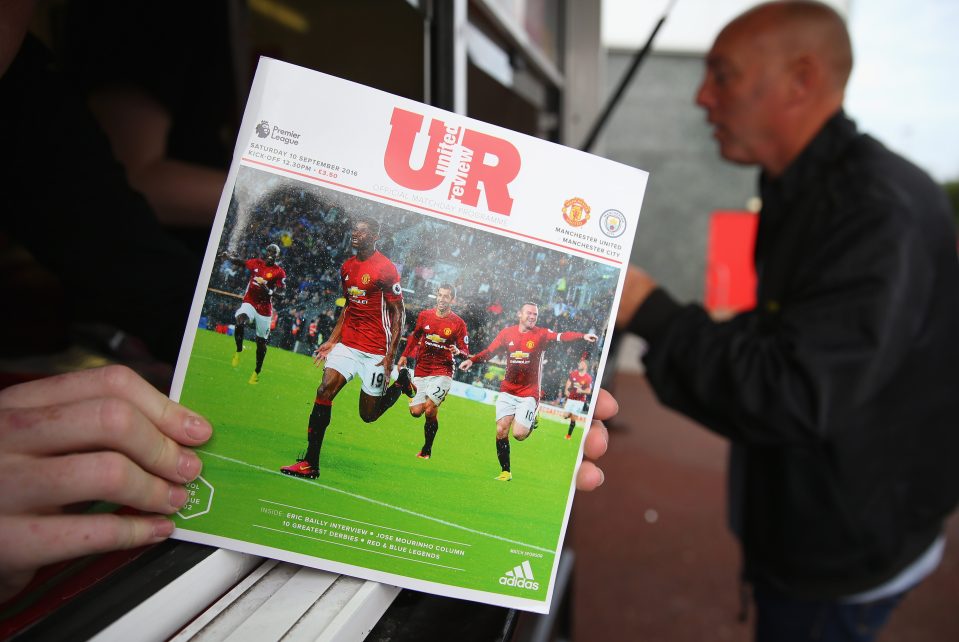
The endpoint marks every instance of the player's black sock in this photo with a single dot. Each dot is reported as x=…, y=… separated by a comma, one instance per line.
x=319, y=420
x=390, y=395
x=260, y=353
x=502, y=452
x=572, y=425
x=429, y=432
x=238, y=336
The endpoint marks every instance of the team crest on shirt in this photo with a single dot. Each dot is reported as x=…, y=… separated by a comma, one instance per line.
x=530, y=344
x=447, y=331
x=576, y=212
x=365, y=279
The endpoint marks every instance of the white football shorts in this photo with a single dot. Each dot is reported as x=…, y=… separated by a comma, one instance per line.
x=523, y=409
x=260, y=321
x=433, y=387
x=351, y=362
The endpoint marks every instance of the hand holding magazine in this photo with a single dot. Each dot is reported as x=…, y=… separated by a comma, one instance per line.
x=392, y=302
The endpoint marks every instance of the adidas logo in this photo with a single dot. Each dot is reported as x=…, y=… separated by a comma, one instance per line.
x=521, y=577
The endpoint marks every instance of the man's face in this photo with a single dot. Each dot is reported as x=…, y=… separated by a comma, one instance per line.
x=743, y=92
x=444, y=300
x=362, y=237
x=272, y=254
x=582, y=365
x=527, y=316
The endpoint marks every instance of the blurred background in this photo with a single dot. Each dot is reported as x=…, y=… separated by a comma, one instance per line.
x=654, y=559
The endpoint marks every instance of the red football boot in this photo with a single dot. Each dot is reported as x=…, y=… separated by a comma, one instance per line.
x=301, y=468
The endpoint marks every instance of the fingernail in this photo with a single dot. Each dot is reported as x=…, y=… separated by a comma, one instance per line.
x=189, y=465
x=178, y=496
x=602, y=477
x=162, y=528
x=197, y=428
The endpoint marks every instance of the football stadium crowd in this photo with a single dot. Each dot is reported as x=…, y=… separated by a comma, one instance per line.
x=493, y=276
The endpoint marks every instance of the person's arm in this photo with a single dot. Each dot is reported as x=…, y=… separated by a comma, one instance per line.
x=483, y=355
x=102, y=434
x=569, y=382
x=412, y=342
x=791, y=373
x=394, y=311
x=181, y=193
x=323, y=350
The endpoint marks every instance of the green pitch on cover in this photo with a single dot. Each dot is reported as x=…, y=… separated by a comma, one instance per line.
x=375, y=504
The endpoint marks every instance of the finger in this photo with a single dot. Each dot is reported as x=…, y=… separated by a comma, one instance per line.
x=27, y=543
x=597, y=440
x=606, y=405
x=99, y=424
x=49, y=483
x=176, y=421
x=590, y=477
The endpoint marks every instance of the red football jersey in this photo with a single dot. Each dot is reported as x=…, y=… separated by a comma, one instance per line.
x=584, y=381
x=257, y=294
x=367, y=286
x=431, y=341
x=524, y=357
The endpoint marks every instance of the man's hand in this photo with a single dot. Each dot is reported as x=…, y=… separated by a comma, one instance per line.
x=102, y=434
x=322, y=352
x=466, y=365
x=387, y=364
x=591, y=476
x=590, y=338
x=401, y=363
x=636, y=290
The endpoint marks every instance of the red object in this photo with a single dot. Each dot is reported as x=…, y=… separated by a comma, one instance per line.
x=730, y=274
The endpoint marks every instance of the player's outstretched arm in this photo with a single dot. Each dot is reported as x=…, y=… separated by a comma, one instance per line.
x=590, y=475
x=466, y=364
x=590, y=337
x=102, y=434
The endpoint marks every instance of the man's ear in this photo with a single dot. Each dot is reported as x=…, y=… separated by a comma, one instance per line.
x=805, y=77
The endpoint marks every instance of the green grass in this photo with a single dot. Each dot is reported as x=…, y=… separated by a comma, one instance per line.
x=370, y=476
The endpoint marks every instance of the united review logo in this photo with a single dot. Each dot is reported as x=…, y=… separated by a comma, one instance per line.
x=521, y=577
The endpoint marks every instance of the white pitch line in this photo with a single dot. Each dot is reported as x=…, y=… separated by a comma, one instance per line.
x=379, y=503
x=357, y=521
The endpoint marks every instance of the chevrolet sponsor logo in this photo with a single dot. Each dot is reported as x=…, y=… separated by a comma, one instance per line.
x=355, y=291
x=435, y=338
x=519, y=354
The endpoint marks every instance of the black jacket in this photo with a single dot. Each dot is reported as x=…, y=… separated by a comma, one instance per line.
x=841, y=388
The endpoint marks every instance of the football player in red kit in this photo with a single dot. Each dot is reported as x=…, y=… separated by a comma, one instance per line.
x=439, y=335
x=519, y=396
x=363, y=342
x=266, y=277
x=579, y=385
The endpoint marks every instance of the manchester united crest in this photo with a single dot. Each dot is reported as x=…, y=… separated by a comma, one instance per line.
x=576, y=212
x=365, y=279
x=447, y=331
x=530, y=345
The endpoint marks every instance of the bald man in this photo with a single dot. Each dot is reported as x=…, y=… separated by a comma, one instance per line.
x=838, y=391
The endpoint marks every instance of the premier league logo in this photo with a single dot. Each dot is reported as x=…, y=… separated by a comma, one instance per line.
x=263, y=129
x=613, y=223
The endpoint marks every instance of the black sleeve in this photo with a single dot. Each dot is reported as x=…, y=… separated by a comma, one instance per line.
x=66, y=200
x=792, y=370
